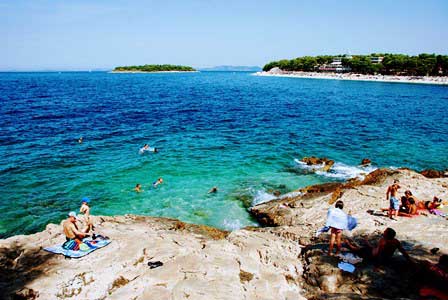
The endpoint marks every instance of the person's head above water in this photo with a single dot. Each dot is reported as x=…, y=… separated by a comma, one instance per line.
x=85, y=200
x=339, y=204
x=389, y=233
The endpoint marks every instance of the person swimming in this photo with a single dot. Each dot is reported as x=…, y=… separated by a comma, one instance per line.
x=157, y=182
x=147, y=148
x=138, y=188
x=213, y=190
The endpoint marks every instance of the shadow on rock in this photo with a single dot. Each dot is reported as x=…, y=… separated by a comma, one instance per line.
x=323, y=279
x=18, y=267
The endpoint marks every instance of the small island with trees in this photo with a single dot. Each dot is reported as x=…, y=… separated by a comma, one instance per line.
x=153, y=69
x=422, y=68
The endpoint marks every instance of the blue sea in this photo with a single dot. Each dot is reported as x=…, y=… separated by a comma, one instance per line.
x=241, y=133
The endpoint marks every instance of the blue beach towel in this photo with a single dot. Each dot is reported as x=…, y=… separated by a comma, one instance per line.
x=93, y=245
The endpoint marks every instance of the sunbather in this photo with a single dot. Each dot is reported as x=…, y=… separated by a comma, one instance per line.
x=383, y=251
x=70, y=228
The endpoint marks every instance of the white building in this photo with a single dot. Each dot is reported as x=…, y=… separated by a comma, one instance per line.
x=376, y=59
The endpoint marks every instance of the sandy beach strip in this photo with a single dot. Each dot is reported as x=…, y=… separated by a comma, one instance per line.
x=439, y=80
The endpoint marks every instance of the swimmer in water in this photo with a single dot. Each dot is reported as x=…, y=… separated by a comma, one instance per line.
x=157, y=182
x=143, y=149
x=147, y=148
x=138, y=187
x=213, y=190
x=80, y=140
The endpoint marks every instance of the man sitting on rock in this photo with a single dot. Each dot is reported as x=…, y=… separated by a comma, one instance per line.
x=70, y=228
x=381, y=253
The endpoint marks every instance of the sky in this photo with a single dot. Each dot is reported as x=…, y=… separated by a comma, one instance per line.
x=102, y=34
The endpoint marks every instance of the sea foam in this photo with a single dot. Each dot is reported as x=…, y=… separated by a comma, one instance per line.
x=339, y=170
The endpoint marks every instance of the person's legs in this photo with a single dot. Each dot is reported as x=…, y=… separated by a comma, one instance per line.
x=332, y=239
x=338, y=241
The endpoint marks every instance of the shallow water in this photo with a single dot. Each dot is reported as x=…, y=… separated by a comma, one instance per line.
x=239, y=132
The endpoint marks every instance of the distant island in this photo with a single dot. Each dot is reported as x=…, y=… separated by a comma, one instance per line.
x=153, y=68
x=232, y=69
x=376, y=63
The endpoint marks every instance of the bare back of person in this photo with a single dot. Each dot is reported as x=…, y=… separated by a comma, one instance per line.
x=69, y=229
x=386, y=248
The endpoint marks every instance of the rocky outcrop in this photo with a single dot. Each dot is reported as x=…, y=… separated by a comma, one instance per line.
x=199, y=262
x=322, y=279
x=357, y=195
x=323, y=164
x=429, y=173
x=366, y=161
x=276, y=70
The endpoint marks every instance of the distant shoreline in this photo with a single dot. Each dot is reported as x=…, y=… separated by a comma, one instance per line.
x=438, y=80
x=153, y=72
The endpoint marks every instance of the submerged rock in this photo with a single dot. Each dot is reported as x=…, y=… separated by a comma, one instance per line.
x=366, y=161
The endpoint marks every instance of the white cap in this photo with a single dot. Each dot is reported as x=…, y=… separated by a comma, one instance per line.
x=73, y=214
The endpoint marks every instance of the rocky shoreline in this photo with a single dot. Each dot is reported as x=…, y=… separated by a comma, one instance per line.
x=438, y=80
x=281, y=260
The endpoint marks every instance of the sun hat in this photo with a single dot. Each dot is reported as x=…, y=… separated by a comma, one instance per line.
x=85, y=199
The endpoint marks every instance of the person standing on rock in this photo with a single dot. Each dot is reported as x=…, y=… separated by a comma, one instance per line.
x=85, y=210
x=391, y=195
x=337, y=220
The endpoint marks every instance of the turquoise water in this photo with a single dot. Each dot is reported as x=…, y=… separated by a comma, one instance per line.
x=238, y=132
